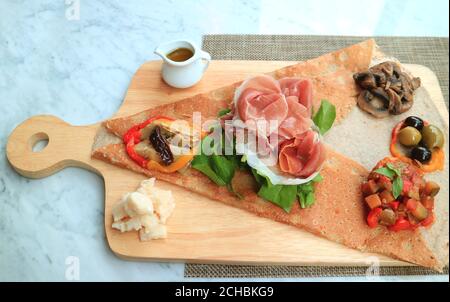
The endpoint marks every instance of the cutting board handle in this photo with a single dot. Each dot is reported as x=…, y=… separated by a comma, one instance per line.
x=67, y=146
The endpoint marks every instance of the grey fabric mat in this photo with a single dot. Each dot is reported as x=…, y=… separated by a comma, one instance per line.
x=431, y=52
x=427, y=51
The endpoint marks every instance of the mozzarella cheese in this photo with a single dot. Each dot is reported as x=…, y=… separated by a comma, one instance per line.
x=146, y=210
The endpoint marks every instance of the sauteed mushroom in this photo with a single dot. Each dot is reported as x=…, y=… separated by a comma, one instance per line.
x=375, y=103
x=386, y=89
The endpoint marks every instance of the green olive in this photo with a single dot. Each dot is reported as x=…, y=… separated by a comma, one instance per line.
x=409, y=136
x=432, y=137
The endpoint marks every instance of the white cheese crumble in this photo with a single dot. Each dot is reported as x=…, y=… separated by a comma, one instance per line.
x=146, y=210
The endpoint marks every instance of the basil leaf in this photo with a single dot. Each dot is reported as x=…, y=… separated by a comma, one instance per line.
x=222, y=112
x=386, y=172
x=397, y=187
x=394, y=169
x=202, y=164
x=282, y=196
x=325, y=116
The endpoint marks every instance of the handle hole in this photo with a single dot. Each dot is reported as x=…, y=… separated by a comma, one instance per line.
x=38, y=142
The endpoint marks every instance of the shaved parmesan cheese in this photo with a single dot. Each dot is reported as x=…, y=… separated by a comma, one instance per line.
x=146, y=210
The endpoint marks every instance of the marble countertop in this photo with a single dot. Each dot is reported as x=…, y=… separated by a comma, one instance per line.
x=74, y=59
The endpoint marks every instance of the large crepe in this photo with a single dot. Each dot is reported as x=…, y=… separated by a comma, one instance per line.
x=358, y=142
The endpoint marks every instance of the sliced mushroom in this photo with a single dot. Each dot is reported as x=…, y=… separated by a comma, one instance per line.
x=416, y=83
x=386, y=88
x=386, y=67
x=372, y=104
x=366, y=80
x=396, y=105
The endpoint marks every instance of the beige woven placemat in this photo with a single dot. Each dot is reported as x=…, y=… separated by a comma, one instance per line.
x=431, y=52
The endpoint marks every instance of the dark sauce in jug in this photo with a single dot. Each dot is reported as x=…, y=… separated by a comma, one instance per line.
x=180, y=54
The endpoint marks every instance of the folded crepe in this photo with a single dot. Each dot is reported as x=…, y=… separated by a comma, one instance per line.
x=339, y=211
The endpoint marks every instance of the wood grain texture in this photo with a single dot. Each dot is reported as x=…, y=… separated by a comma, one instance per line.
x=200, y=230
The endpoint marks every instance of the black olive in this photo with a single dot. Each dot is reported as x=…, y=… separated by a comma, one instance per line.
x=421, y=154
x=414, y=121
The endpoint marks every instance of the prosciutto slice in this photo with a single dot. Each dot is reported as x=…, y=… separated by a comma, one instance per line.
x=297, y=121
x=303, y=155
x=299, y=89
x=289, y=103
x=260, y=98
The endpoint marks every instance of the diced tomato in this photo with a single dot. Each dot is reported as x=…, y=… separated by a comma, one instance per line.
x=373, y=201
x=372, y=218
x=385, y=183
x=400, y=225
x=407, y=185
x=369, y=187
x=394, y=205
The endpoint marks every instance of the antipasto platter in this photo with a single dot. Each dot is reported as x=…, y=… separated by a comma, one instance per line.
x=338, y=160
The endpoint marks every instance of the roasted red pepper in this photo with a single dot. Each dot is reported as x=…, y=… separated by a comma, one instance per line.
x=373, y=217
x=428, y=221
x=394, y=205
x=133, y=137
x=400, y=225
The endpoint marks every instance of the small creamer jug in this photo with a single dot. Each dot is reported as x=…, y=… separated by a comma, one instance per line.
x=183, y=63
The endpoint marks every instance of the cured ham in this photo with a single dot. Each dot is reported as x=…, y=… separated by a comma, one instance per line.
x=287, y=101
x=260, y=98
x=299, y=90
x=297, y=121
x=303, y=155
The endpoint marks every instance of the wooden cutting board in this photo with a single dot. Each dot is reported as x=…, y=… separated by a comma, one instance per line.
x=200, y=230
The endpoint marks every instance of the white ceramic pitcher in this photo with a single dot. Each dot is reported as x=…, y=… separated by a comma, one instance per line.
x=186, y=73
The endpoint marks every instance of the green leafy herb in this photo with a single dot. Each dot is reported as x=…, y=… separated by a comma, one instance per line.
x=394, y=174
x=202, y=163
x=397, y=171
x=223, y=167
x=222, y=112
x=219, y=168
x=305, y=192
x=318, y=178
x=325, y=116
x=397, y=187
x=386, y=172
x=285, y=195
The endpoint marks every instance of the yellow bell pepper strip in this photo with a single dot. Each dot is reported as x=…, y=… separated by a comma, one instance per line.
x=181, y=162
x=437, y=154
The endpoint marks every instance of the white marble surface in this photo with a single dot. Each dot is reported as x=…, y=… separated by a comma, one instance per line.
x=79, y=70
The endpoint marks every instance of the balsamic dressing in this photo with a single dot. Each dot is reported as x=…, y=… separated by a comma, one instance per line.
x=180, y=54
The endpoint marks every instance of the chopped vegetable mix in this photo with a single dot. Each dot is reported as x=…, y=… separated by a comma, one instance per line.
x=398, y=197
